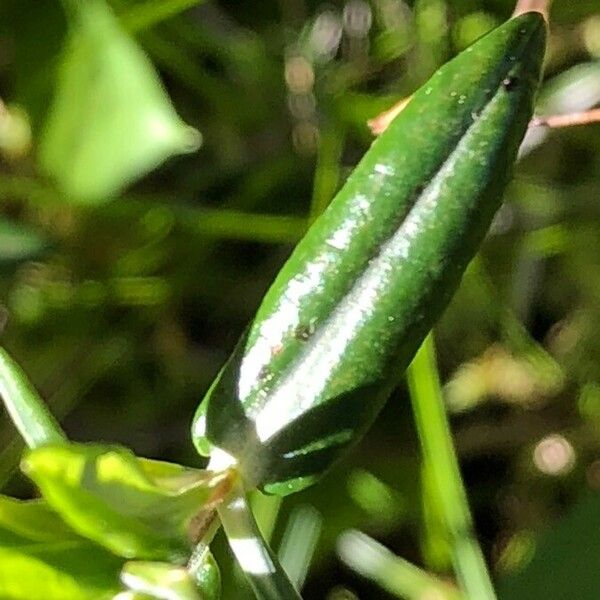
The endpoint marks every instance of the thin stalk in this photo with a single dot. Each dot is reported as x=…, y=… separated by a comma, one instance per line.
x=541, y=6
x=327, y=171
x=394, y=574
x=441, y=460
x=31, y=416
x=261, y=567
x=567, y=120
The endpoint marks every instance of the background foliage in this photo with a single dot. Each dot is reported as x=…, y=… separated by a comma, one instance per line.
x=130, y=262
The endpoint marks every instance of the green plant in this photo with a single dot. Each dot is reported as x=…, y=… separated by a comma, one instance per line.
x=315, y=366
x=355, y=300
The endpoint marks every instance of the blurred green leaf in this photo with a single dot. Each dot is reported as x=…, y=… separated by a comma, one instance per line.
x=382, y=503
x=41, y=557
x=111, y=121
x=299, y=542
x=33, y=520
x=397, y=576
x=18, y=243
x=135, y=507
x=58, y=571
x=159, y=580
x=566, y=562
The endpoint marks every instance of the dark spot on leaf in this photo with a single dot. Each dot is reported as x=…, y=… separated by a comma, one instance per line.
x=302, y=333
x=510, y=83
x=264, y=372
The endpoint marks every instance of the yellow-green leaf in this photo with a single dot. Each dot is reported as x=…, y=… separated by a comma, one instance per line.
x=135, y=507
x=58, y=571
x=111, y=121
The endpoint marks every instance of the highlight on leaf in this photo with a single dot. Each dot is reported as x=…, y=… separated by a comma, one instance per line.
x=135, y=507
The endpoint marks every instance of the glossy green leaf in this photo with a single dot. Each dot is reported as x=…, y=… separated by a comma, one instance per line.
x=58, y=571
x=135, y=507
x=349, y=309
x=27, y=410
x=160, y=580
x=34, y=521
x=111, y=121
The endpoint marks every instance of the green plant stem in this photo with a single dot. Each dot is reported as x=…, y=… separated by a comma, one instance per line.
x=261, y=567
x=91, y=365
x=441, y=460
x=327, y=170
x=31, y=417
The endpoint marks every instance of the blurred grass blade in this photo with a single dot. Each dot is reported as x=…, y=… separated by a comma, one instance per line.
x=327, y=171
x=394, y=574
x=262, y=569
x=91, y=365
x=111, y=121
x=382, y=503
x=299, y=542
x=442, y=463
x=145, y=15
x=27, y=410
x=436, y=544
